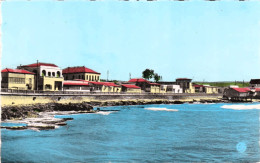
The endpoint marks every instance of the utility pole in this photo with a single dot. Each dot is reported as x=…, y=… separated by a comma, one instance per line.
x=129, y=76
x=107, y=74
x=37, y=74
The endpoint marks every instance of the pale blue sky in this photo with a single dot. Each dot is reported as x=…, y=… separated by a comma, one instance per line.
x=213, y=41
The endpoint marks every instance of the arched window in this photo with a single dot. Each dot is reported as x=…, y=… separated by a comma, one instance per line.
x=95, y=77
x=87, y=77
x=53, y=74
x=58, y=74
x=43, y=73
x=92, y=78
x=49, y=73
x=98, y=78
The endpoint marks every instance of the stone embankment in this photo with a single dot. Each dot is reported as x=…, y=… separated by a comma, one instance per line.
x=41, y=116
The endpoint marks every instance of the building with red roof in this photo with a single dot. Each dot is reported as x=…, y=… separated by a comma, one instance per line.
x=17, y=79
x=146, y=85
x=239, y=94
x=76, y=85
x=130, y=88
x=105, y=86
x=48, y=76
x=81, y=72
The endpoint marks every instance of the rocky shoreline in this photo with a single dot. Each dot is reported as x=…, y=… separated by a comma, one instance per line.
x=41, y=116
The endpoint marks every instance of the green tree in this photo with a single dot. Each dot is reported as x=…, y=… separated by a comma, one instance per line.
x=148, y=74
x=157, y=77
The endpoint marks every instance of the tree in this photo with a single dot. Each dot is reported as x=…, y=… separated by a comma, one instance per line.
x=157, y=77
x=148, y=74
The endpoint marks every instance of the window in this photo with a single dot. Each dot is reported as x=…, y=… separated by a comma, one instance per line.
x=4, y=80
x=58, y=74
x=83, y=77
x=17, y=80
x=47, y=86
x=43, y=73
x=95, y=78
x=98, y=78
x=53, y=74
x=72, y=76
x=49, y=73
x=87, y=77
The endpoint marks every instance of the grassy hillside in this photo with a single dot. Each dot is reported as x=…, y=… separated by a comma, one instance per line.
x=224, y=84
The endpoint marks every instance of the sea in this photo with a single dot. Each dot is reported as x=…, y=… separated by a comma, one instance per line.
x=146, y=133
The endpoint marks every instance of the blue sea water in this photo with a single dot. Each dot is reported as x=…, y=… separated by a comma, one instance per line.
x=195, y=133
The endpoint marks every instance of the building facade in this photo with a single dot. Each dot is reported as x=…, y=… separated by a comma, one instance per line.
x=72, y=85
x=84, y=73
x=129, y=88
x=17, y=79
x=48, y=76
x=145, y=85
x=186, y=85
x=255, y=83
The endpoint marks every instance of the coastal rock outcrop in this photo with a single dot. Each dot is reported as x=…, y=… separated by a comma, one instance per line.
x=32, y=111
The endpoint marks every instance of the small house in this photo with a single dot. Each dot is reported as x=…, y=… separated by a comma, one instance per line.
x=17, y=79
x=129, y=88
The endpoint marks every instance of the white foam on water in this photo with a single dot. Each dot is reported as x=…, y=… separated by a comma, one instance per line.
x=160, y=109
x=104, y=112
x=241, y=107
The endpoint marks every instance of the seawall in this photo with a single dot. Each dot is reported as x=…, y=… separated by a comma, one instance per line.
x=27, y=99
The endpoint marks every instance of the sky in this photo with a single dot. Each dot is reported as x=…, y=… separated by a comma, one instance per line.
x=201, y=40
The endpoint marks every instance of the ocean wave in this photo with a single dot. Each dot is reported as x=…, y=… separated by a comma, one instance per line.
x=160, y=109
x=104, y=112
x=241, y=107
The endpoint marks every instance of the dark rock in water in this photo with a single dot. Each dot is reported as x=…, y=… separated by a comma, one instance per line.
x=67, y=119
x=15, y=127
x=178, y=102
x=43, y=127
x=61, y=124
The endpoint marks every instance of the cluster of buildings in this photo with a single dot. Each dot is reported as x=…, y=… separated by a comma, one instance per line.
x=49, y=77
x=234, y=93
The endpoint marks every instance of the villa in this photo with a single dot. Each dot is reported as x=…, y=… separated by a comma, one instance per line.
x=145, y=85
x=17, y=79
x=48, y=76
x=84, y=73
x=129, y=88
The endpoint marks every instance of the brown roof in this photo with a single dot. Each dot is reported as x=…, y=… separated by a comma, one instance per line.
x=255, y=81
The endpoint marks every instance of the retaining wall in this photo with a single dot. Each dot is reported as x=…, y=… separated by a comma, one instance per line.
x=25, y=99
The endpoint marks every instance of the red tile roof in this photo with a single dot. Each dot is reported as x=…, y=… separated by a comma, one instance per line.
x=257, y=89
x=130, y=86
x=83, y=69
x=40, y=64
x=104, y=83
x=241, y=90
x=154, y=84
x=75, y=83
x=197, y=86
x=135, y=80
x=16, y=71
